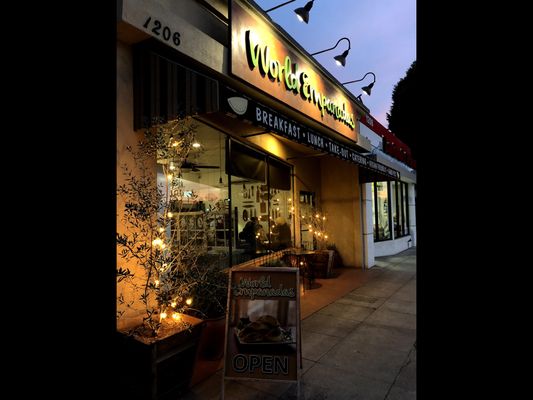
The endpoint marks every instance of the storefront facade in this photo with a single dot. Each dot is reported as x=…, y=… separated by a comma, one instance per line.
x=279, y=138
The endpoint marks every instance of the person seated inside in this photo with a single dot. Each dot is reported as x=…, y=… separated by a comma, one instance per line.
x=250, y=234
x=281, y=234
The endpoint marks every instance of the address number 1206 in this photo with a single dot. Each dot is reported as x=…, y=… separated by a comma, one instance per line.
x=159, y=30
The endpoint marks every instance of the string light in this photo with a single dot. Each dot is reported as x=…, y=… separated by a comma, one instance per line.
x=189, y=301
x=156, y=283
x=157, y=242
x=161, y=230
x=176, y=316
x=163, y=315
x=170, y=215
x=169, y=177
x=173, y=304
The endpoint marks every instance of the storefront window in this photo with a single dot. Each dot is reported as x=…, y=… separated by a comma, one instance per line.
x=396, y=208
x=261, y=200
x=394, y=204
x=399, y=195
x=307, y=207
x=200, y=218
x=405, y=209
x=381, y=211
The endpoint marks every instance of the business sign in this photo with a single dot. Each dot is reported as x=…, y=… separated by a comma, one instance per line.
x=262, y=57
x=261, y=115
x=263, y=324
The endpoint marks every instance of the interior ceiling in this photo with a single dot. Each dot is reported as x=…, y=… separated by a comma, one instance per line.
x=209, y=134
x=239, y=128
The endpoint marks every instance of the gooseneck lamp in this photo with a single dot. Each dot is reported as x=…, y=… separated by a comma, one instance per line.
x=281, y=5
x=341, y=58
x=366, y=89
x=301, y=12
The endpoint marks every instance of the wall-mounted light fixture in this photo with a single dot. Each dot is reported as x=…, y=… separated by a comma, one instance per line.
x=301, y=12
x=281, y=5
x=366, y=89
x=341, y=58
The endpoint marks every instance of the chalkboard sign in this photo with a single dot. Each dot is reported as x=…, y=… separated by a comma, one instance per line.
x=263, y=324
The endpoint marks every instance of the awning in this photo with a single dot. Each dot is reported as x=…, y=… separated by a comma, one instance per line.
x=244, y=108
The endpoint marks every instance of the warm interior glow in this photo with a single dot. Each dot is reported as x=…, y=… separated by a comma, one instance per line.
x=176, y=316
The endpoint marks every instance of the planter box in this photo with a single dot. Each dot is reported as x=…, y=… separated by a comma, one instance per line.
x=161, y=370
x=210, y=351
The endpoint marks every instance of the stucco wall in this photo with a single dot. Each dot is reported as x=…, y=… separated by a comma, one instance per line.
x=368, y=226
x=391, y=247
x=126, y=136
x=342, y=204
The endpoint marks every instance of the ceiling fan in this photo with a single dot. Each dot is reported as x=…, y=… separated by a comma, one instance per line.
x=196, y=167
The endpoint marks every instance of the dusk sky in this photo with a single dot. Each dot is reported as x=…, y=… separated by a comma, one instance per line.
x=382, y=35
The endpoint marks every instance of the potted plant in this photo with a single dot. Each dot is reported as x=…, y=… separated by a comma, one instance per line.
x=156, y=269
x=209, y=293
x=208, y=302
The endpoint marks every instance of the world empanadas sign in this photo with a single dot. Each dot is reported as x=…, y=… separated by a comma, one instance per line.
x=263, y=324
x=264, y=58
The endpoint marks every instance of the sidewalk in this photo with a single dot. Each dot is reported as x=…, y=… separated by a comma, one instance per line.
x=359, y=347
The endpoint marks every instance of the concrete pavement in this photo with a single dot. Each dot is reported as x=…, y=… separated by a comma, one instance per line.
x=360, y=347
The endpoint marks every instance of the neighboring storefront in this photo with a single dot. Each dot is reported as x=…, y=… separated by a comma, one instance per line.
x=390, y=204
x=279, y=138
